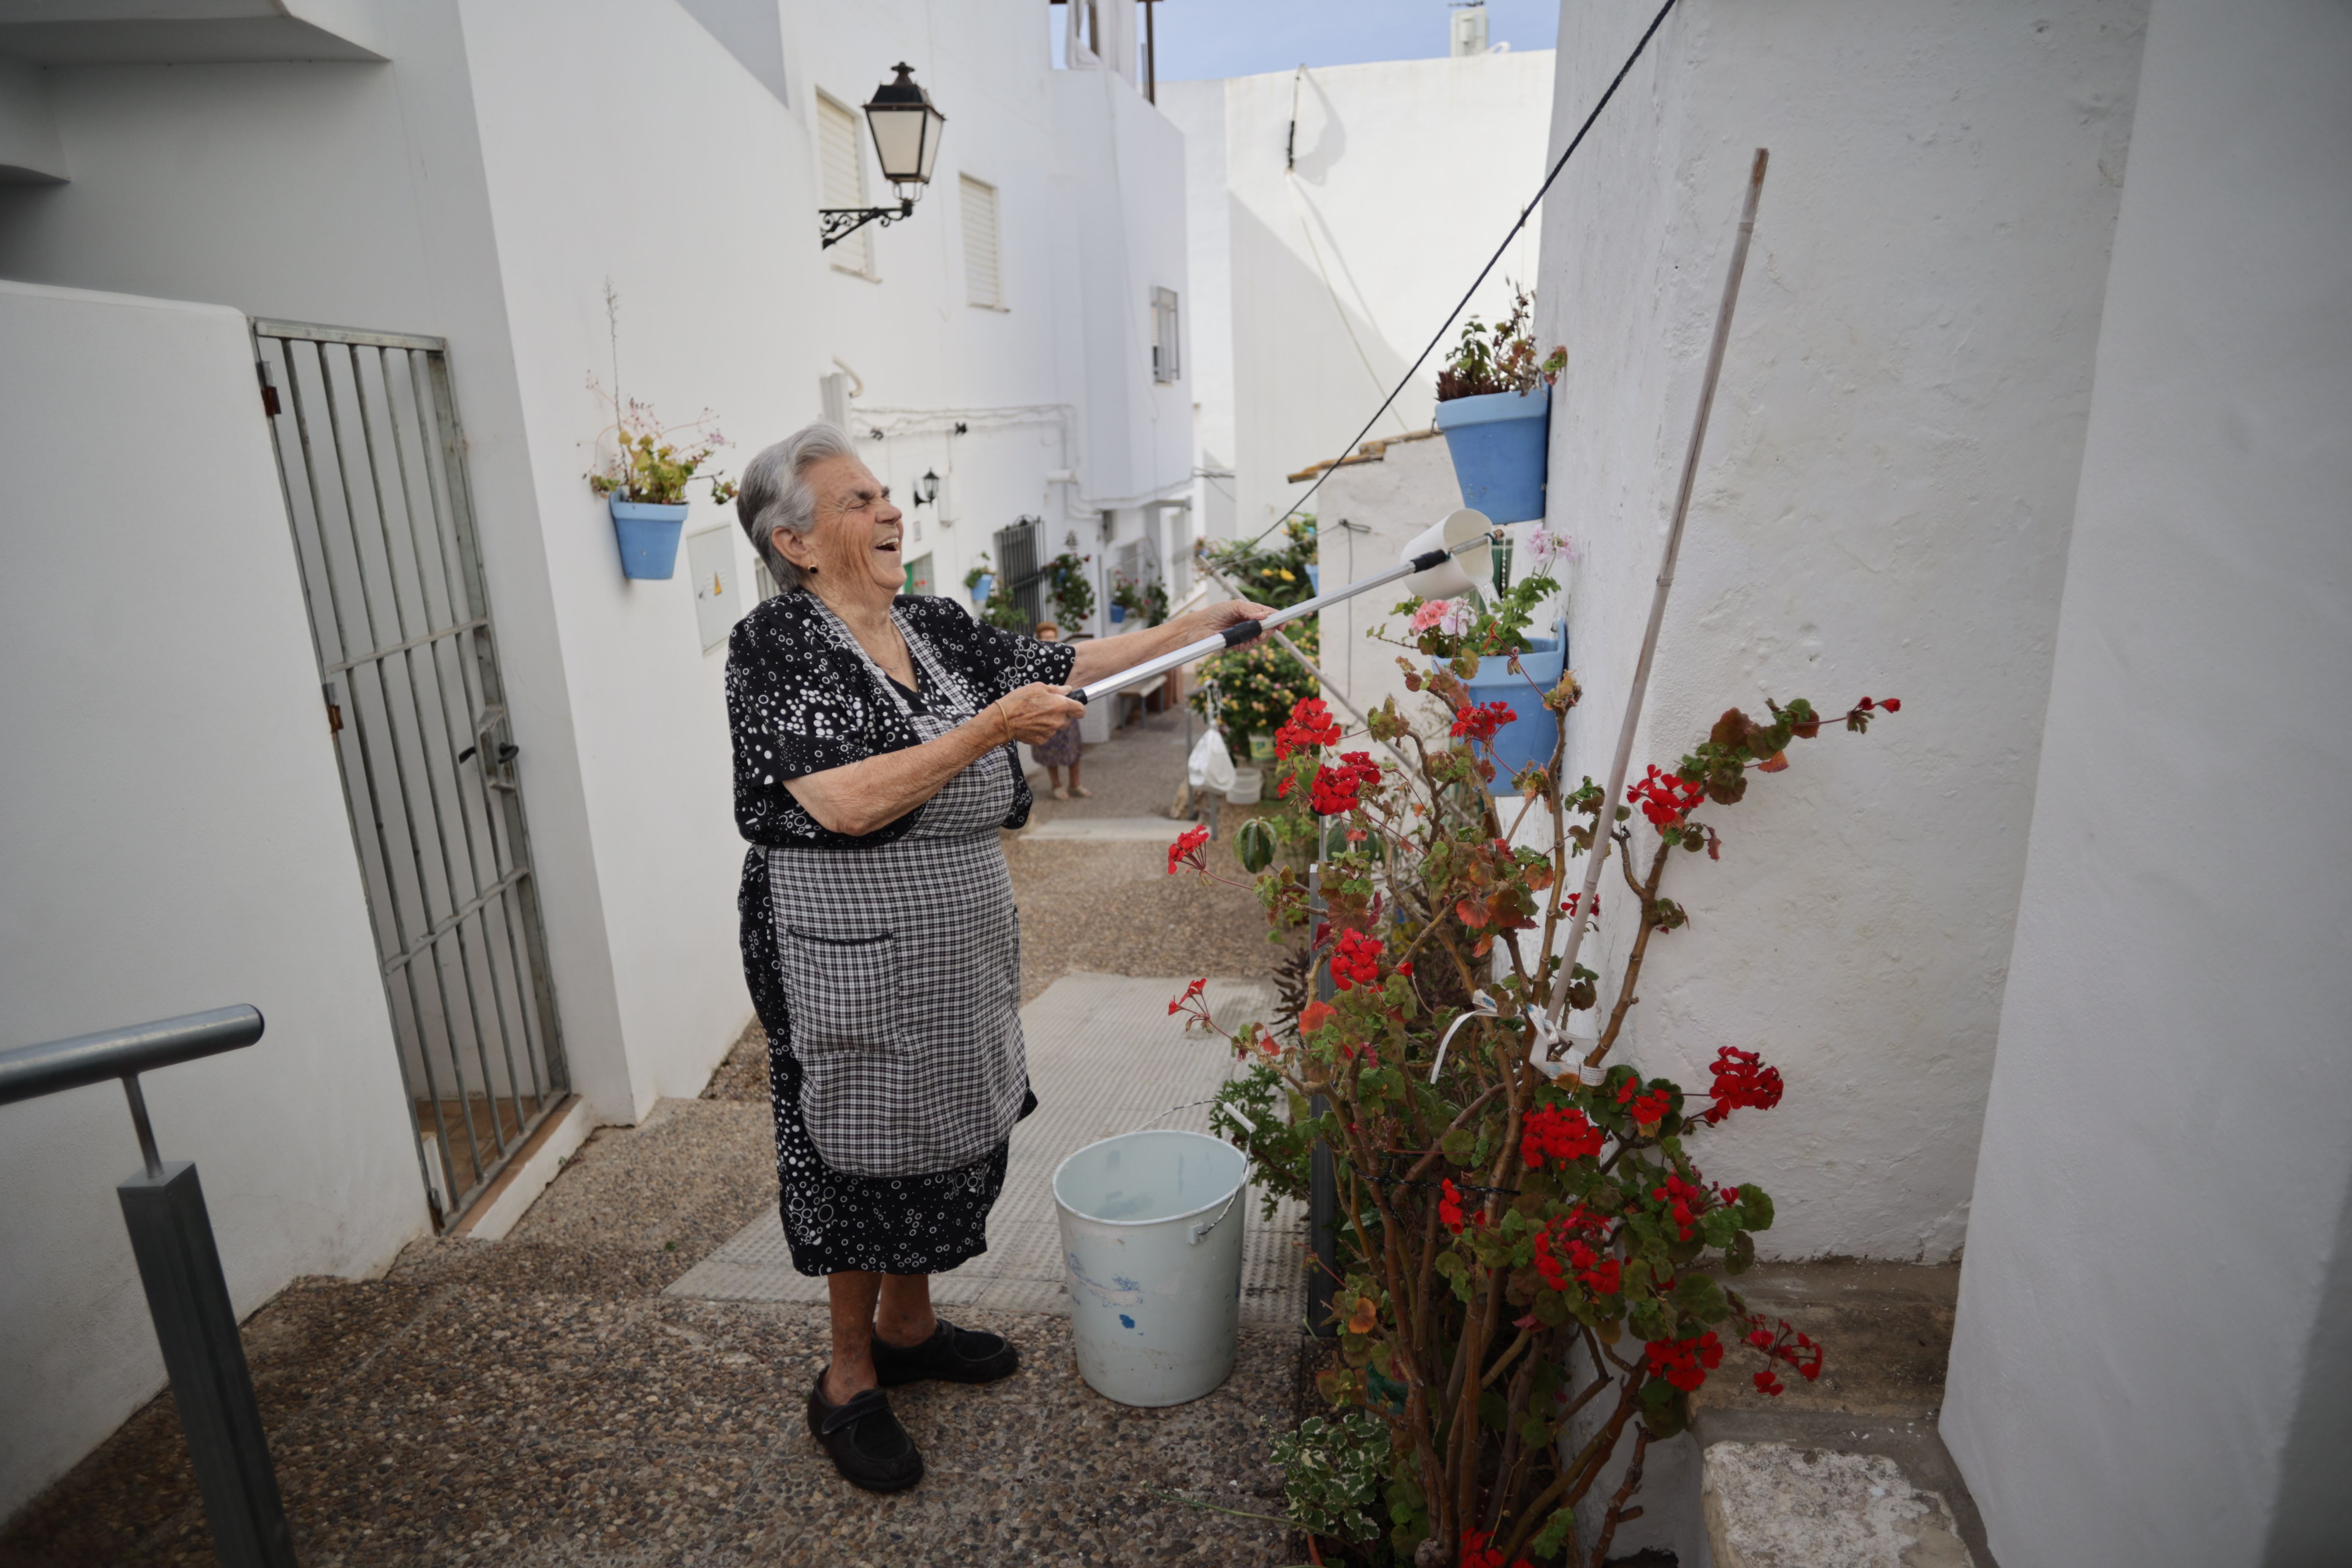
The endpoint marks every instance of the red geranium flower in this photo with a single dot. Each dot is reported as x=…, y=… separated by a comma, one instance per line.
x=1311, y=725
x=1356, y=961
x=1684, y=1363
x=1449, y=1206
x=1664, y=798
x=1337, y=786
x=1558, y=1132
x=1479, y=721
x=1741, y=1079
x=1186, y=850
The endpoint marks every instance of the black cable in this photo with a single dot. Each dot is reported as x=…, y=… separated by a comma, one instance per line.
x=1415, y=369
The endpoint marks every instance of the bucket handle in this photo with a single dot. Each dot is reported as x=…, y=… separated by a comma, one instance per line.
x=1196, y=1234
x=1235, y=1112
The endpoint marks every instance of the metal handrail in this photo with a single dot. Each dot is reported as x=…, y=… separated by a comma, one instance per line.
x=179, y=1265
x=30, y=1071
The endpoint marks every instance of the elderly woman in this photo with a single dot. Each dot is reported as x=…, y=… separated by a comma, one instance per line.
x=873, y=765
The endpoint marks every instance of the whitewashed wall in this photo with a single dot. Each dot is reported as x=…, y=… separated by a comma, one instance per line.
x=704, y=223
x=172, y=838
x=1318, y=285
x=354, y=195
x=2150, y=1365
x=1882, y=511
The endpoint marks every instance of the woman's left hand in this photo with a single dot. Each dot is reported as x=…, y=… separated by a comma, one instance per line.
x=1217, y=617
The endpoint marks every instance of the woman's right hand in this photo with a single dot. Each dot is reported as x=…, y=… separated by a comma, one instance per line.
x=1037, y=711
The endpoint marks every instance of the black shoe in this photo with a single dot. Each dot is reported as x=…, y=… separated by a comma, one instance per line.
x=868, y=1447
x=951, y=1354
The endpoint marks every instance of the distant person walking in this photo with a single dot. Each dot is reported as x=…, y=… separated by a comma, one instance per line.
x=1062, y=750
x=874, y=766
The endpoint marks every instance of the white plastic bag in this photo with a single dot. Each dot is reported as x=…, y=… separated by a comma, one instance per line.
x=1210, y=765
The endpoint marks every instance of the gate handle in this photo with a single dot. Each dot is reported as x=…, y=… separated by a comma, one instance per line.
x=502, y=756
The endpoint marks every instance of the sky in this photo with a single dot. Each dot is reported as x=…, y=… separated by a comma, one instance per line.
x=1201, y=39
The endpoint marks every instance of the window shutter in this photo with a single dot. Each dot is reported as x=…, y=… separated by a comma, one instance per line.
x=842, y=170
x=983, y=277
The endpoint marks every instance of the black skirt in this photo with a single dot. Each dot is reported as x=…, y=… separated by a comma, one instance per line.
x=835, y=1222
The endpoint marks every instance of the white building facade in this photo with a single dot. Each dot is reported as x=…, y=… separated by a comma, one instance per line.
x=1337, y=214
x=486, y=178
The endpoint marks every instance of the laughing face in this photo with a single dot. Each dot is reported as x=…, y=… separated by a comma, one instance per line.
x=855, y=545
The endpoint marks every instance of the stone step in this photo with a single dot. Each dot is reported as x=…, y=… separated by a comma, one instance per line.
x=1845, y=1471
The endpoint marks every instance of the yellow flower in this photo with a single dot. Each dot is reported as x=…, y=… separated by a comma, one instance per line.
x=1286, y=574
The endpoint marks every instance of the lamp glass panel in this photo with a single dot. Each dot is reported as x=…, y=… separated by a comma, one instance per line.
x=933, y=124
x=899, y=142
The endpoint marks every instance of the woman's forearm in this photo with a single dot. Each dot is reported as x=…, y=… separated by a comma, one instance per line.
x=859, y=797
x=1099, y=657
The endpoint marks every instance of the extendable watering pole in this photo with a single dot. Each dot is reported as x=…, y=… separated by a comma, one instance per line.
x=1312, y=669
x=1597, y=858
x=1241, y=632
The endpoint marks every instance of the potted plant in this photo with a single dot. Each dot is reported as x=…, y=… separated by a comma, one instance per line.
x=1494, y=403
x=1258, y=683
x=1066, y=585
x=1001, y=609
x=643, y=480
x=1532, y=1274
x=1256, y=686
x=1126, y=598
x=979, y=582
x=1492, y=650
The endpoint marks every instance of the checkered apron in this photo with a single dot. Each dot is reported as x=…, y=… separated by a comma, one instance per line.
x=902, y=965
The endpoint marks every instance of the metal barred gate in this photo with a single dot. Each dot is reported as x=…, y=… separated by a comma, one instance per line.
x=374, y=471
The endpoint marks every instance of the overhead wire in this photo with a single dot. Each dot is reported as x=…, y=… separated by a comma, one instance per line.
x=1492, y=262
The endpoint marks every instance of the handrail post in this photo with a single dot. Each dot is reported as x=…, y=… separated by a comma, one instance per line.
x=187, y=1296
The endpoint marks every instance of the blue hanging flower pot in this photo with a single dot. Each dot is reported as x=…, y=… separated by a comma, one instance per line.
x=1527, y=739
x=648, y=532
x=1497, y=441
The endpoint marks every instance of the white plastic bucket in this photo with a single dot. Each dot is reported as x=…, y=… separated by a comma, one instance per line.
x=1247, y=788
x=1152, y=1238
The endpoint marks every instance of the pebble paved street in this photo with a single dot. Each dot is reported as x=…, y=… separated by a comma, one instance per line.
x=539, y=1401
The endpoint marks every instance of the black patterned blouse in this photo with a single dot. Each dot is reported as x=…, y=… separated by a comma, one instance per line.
x=799, y=702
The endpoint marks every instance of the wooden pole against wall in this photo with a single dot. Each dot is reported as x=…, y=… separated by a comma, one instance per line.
x=1598, y=857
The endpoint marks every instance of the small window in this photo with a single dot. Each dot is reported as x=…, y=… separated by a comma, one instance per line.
x=1164, y=356
x=841, y=161
x=984, y=273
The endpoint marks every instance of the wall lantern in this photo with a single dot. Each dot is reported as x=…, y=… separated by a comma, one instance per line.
x=927, y=489
x=907, y=140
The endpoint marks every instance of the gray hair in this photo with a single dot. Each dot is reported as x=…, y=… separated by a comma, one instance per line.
x=775, y=492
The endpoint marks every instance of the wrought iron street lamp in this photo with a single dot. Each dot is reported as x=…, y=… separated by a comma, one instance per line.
x=927, y=489
x=906, y=131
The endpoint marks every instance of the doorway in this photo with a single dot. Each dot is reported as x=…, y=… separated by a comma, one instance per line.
x=374, y=466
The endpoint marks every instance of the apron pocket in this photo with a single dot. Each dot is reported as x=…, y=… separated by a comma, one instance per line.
x=842, y=990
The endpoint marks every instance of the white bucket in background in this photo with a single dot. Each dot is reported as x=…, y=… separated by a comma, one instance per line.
x=1152, y=1238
